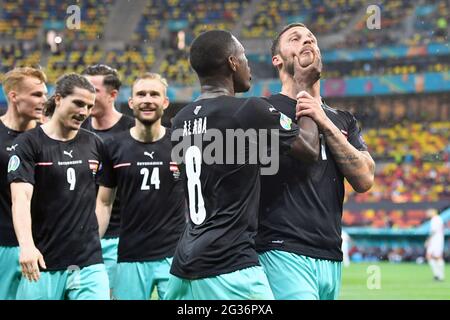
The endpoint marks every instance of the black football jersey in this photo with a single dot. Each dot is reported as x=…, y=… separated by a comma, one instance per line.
x=151, y=193
x=301, y=206
x=123, y=124
x=7, y=234
x=223, y=189
x=64, y=224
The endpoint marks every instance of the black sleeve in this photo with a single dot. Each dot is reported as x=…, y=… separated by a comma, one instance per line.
x=354, y=134
x=22, y=161
x=256, y=113
x=105, y=176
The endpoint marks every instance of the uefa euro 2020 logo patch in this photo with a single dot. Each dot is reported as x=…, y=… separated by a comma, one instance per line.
x=14, y=163
x=285, y=122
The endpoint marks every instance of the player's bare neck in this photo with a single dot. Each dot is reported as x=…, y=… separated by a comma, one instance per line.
x=291, y=89
x=147, y=134
x=213, y=88
x=107, y=120
x=56, y=131
x=15, y=122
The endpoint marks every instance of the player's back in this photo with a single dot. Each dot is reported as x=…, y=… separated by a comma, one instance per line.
x=222, y=186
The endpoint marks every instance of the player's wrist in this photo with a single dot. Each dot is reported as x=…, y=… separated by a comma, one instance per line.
x=328, y=128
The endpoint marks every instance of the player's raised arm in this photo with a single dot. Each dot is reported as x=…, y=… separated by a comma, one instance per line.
x=355, y=164
x=306, y=146
x=30, y=256
x=105, y=200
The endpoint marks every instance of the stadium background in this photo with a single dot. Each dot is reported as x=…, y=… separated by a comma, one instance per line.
x=395, y=79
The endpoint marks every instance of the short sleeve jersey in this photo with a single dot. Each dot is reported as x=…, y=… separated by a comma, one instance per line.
x=64, y=223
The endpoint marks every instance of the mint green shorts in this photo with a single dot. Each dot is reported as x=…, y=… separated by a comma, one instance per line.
x=245, y=284
x=10, y=272
x=109, y=251
x=137, y=280
x=88, y=283
x=296, y=277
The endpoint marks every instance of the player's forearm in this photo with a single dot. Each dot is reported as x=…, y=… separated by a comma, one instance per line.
x=22, y=221
x=306, y=147
x=103, y=208
x=357, y=167
x=103, y=213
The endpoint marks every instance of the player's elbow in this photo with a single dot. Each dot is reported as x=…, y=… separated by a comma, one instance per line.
x=364, y=181
x=363, y=184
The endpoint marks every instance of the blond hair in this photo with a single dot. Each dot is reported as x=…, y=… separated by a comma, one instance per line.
x=151, y=76
x=13, y=79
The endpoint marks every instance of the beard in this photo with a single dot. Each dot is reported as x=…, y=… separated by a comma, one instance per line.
x=288, y=64
x=145, y=120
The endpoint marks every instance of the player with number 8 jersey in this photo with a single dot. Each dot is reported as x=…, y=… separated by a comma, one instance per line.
x=215, y=257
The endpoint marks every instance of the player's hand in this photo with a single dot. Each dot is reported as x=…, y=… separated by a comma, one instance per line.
x=305, y=77
x=310, y=107
x=29, y=259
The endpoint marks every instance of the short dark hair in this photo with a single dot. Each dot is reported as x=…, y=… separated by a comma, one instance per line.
x=111, y=76
x=210, y=51
x=65, y=86
x=276, y=42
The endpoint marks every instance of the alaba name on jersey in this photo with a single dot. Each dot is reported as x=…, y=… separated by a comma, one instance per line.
x=222, y=195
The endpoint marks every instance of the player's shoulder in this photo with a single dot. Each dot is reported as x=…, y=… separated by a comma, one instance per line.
x=280, y=99
x=31, y=140
x=255, y=105
x=256, y=101
x=86, y=135
x=117, y=138
x=34, y=134
x=338, y=114
x=127, y=120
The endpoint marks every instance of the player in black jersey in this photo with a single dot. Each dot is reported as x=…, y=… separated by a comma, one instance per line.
x=299, y=233
x=215, y=257
x=105, y=121
x=52, y=175
x=152, y=202
x=26, y=92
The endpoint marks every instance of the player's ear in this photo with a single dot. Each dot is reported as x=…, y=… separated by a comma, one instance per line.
x=277, y=61
x=113, y=94
x=166, y=103
x=232, y=63
x=130, y=103
x=57, y=100
x=12, y=96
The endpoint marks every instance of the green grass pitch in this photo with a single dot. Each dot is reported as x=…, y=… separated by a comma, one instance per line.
x=392, y=281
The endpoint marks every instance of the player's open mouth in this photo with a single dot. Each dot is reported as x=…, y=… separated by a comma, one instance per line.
x=148, y=110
